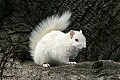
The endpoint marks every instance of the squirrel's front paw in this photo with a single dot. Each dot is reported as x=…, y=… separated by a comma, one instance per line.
x=46, y=65
x=71, y=62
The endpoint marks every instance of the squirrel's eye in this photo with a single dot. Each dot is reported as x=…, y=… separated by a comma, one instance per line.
x=77, y=40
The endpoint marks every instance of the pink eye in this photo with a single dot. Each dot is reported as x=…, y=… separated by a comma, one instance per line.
x=77, y=40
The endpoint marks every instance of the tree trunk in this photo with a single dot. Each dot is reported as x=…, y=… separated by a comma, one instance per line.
x=98, y=19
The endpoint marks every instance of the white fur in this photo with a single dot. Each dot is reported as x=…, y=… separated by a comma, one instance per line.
x=46, y=65
x=51, y=46
x=51, y=23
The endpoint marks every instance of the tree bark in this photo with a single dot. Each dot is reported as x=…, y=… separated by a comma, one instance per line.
x=100, y=70
x=98, y=19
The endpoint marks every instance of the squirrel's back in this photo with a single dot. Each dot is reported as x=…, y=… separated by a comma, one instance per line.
x=55, y=22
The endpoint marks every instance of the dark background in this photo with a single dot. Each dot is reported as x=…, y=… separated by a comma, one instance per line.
x=99, y=20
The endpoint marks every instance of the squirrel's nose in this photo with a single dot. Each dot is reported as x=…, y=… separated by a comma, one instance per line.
x=84, y=45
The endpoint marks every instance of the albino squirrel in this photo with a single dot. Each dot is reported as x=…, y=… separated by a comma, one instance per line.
x=50, y=46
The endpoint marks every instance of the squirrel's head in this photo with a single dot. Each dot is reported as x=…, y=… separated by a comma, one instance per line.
x=77, y=39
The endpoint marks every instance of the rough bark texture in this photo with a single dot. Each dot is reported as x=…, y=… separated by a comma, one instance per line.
x=101, y=70
x=99, y=20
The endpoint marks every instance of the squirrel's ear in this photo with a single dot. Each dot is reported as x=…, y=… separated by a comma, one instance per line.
x=80, y=31
x=72, y=33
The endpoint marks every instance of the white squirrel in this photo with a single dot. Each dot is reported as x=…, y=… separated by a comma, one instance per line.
x=49, y=46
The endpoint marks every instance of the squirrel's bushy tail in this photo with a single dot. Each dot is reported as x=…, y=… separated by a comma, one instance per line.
x=55, y=22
